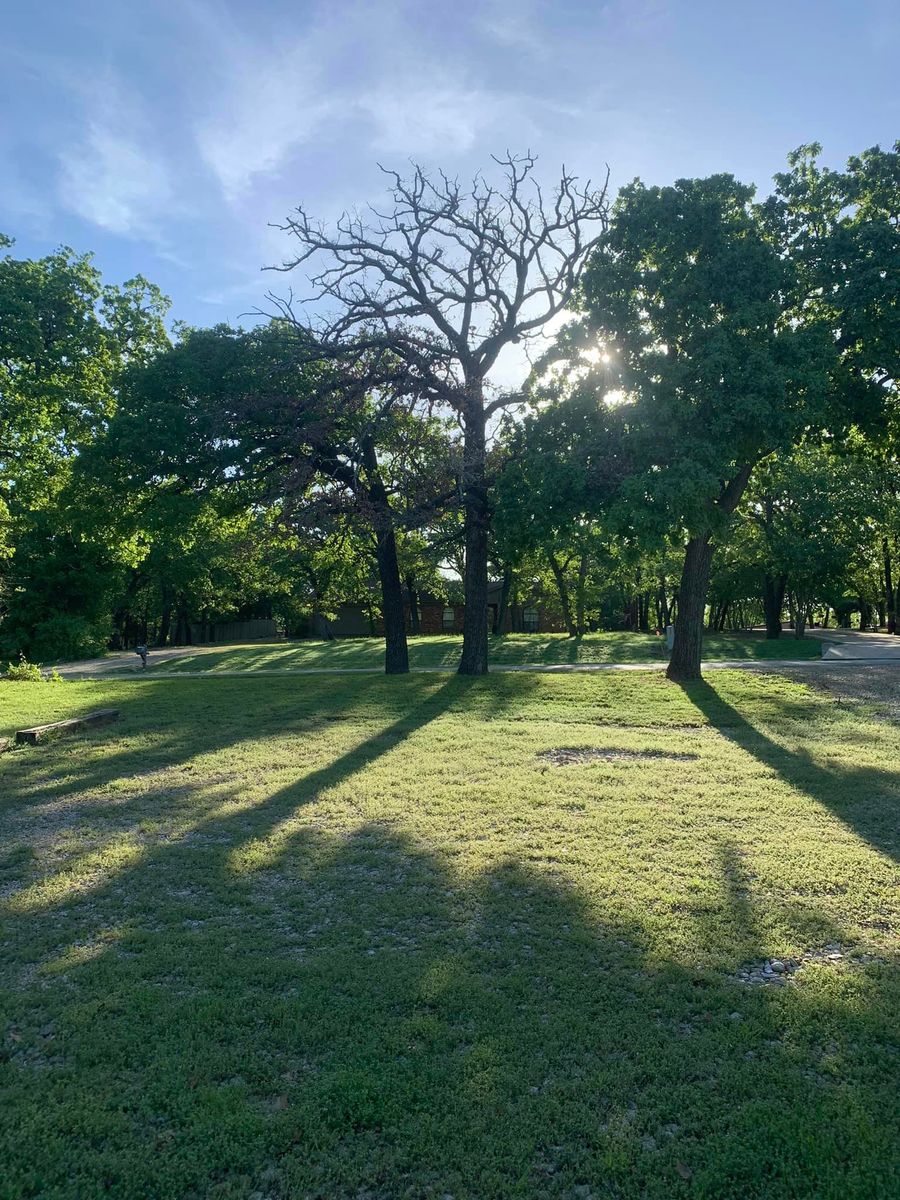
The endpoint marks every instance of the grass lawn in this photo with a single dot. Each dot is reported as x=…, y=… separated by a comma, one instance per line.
x=511, y=649
x=350, y=937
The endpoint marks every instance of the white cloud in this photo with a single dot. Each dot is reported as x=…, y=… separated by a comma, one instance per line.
x=265, y=109
x=439, y=118
x=112, y=180
x=513, y=24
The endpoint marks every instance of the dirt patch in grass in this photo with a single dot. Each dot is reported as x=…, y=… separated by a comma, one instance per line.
x=565, y=756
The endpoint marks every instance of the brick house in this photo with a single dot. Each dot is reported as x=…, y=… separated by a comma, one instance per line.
x=437, y=615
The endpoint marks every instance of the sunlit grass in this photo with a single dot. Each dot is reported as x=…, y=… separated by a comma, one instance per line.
x=346, y=936
x=509, y=650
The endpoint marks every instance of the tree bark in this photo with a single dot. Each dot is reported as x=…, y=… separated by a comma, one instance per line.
x=799, y=618
x=773, y=603
x=165, y=624
x=580, y=623
x=412, y=592
x=474, y=658
x=505, y=588
x=890, y=602
x=687, y=650
x=644, y=611
x=662, y=604
x=396, y=652
x=563, y=588
x=182, y=624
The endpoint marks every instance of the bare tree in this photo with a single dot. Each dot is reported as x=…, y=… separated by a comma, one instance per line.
x=445, y=279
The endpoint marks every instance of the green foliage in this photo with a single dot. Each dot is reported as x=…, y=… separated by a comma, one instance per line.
x=23, y=671
x=687, y=294
x=65, y=341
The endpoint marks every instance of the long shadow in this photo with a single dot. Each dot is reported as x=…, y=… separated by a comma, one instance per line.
x=166, y=724
x=865, y=798
x=209, y=826
x=360, y=1020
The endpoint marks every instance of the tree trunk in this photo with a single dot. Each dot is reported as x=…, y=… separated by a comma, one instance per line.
x=799, y=619
x=686, y=652
x=773, y=603
x=502, y=607
x=165, y=624
x=580, y=623
x=563, y=588
x=182, y=624
x=474, y=659
x=644, y=612
x=890, y=602
x=662, y=604
x=415, y=625
x=396, y=652
x=865, y=615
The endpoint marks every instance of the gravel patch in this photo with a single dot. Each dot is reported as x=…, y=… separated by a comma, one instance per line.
x=777, y=972
x=877, y=684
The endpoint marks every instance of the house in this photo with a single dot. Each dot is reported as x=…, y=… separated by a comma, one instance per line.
x=437, y=615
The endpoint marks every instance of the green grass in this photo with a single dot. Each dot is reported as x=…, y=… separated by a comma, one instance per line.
x=512, y=649
x=352, y=937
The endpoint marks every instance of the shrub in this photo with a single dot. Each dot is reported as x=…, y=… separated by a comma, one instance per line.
x=24, y=671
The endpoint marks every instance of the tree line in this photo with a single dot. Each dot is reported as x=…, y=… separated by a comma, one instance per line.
x=708, y=434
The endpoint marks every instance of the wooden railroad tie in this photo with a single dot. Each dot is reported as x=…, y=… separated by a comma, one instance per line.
x=40, y=733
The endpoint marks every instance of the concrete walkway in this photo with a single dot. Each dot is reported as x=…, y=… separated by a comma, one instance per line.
x=850, y=645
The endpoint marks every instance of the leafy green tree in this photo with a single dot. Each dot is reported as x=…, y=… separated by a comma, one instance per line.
x=256, y=416
x=842, y=229
x=692, y=299
x=65, y=340
x=814, y=513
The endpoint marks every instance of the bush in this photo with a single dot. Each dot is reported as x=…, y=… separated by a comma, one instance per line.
x=57, y=637
x=28, y=672
x=24, y=671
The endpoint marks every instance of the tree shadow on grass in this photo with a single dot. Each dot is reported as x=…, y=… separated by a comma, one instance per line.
x=166, y=724
x=219, y=817
x=864, y=798
x=357, y=1019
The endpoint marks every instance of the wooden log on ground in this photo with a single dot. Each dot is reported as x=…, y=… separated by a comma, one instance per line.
x=40, y=733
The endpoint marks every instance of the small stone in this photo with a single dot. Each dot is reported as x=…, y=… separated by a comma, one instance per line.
x=778, y=966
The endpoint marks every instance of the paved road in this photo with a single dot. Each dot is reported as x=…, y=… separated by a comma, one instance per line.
x=849, y=645
x=127, y=660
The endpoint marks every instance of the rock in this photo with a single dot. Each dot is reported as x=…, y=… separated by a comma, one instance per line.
x=778, y=966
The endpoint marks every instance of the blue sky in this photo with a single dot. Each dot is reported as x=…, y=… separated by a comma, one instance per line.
x=166, y=136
